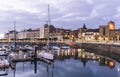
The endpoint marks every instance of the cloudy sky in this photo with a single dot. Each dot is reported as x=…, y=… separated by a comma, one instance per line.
x=71, y=14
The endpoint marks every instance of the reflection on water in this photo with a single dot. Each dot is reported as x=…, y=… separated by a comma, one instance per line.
x=68, y=63
x=84, y=57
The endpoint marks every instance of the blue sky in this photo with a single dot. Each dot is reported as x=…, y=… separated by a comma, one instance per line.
x=71, y=14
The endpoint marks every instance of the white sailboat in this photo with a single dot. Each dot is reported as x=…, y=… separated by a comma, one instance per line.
x=46, y=54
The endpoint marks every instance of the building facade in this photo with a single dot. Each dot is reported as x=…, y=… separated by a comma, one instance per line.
x=80, y=33
x=91, y=35
x=56, y=37
x=104, y=33
x=29, y=34
x=46, y=30
x=108, y=32
x=22, y=34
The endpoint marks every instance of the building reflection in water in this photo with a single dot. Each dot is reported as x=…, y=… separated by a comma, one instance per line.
x=80, y=54
x=35, y=63
x=63, y=54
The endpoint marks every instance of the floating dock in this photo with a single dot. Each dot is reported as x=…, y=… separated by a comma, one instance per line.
x=33, y=59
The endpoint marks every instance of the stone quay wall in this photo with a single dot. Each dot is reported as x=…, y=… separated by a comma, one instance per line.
x=109, y=50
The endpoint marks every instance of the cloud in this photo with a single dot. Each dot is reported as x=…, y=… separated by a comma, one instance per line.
x=90, y=1
x=117, y=15
x=33, y=14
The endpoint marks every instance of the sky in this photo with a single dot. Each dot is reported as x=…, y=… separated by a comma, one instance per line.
x=68, y=14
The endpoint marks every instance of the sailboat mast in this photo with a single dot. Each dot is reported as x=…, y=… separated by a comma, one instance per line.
x=8, y=37
x=14, y=34
x=49, y=19
x=49, y=23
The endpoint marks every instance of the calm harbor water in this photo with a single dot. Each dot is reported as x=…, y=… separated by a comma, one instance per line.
x=68, y=63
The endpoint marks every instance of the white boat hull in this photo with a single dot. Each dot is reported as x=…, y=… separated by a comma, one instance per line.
x=45, y=55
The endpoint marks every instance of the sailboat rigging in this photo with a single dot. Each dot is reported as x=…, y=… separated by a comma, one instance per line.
x=49, y=23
